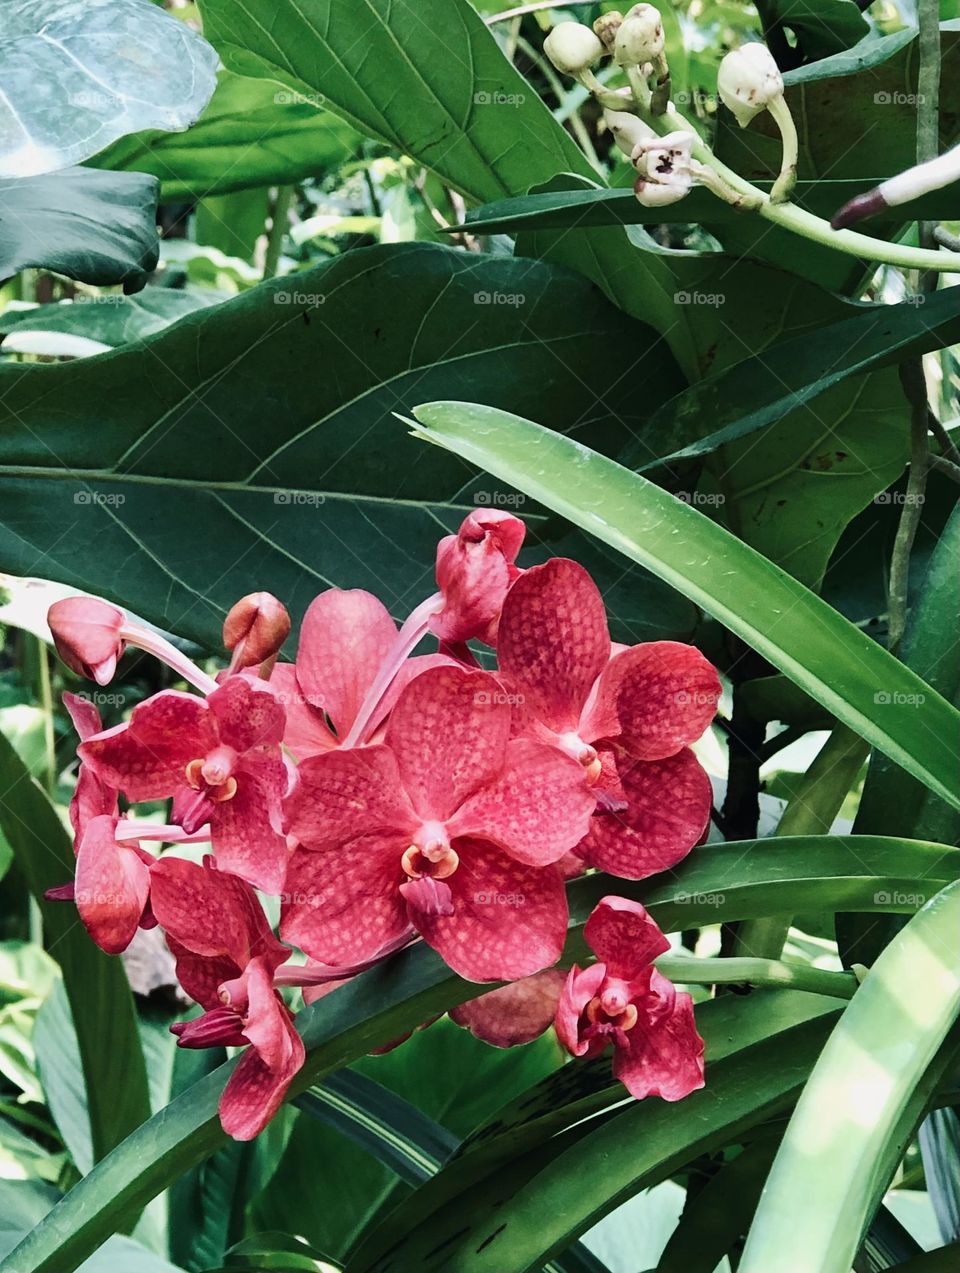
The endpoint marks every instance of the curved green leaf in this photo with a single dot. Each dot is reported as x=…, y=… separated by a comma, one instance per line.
x=100, y=1000
x=856, y=680
x=98, y=83
x=832, y=1156
x=858, y=873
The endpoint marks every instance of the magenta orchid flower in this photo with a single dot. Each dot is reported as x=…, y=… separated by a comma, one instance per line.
x=622, y=1000
x=626, y=714
x=516, y=1013
x=475, y=568
x=220, y=759
x=227, y=957
x=450, y=828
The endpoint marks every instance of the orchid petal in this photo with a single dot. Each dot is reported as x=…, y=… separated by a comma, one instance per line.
x=664, y=695
x=245, y=831
x=255, y=1090
x=623, y=936
x=516, y=1013
x=111, y=884
x=247, y=712
x=345, y=794
x=581, y=985
x=305, y=733
x=664, y=1059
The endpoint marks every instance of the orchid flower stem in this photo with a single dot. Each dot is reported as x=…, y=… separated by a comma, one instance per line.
x=161, y=648
x=783, y=186
x=414, y=628
x=791, y=217
x=717, y=185
x=690, y=971
x=128, y=829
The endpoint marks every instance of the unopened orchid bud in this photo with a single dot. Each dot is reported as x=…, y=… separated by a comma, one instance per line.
x=86, y=633
x=748, y=81
x=255, y=629
x=628, y=130
x=665, y=170
x=639, y=38
x=606, y=28
x=572, y=48
x=916, y=181
x=474, y=571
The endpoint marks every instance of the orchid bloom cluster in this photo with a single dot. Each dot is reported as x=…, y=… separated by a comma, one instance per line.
x=386, y=796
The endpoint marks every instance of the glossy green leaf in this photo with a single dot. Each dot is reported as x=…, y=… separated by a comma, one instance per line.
x=92, y=226
x=113, y=320
x=252, y=133
x=99, y=81
x=254, y=440
x=832, y=1153
x=860, y=683
x=96, y=985
x=710, y=887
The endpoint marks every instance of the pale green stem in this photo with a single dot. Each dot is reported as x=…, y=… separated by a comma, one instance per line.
x=640, y=88
x=605, y=96
x=690, y=971
x=816, y=802
x=783, y=186
x=278, y=229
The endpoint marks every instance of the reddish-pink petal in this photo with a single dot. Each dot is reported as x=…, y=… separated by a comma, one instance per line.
x=516, y=1013
x=256, y=1090
x=305, y=733
x=474, y=570
x=509, y=920
x=111, y=886
x=664, y=1058
x=146, y=757
x=248, y=713
x=86, y=632
x=668, y=807
x=623, y=937
x=409, y=671
x=83, y=714
x=345, y=638
x=449, y=731
x=201, y=976
x=581, y=985
x=265, y=1016
x=212, y=913
x=663, y=694
x=537, y=810
x=344, y=906
x=553, y=641
x=245, y=831
x=345, y=794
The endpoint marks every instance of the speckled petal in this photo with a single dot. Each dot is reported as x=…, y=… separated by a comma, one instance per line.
x=581, y=985
x=305, y=732
x=111, y=886
x=623, y=936
x=516, y=1013
x=248, y=713
x=664, y=1059
x=666, y=698
x=345, y=794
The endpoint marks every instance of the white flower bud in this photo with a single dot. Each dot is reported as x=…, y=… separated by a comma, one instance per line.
x=640, y=37
x=628, y=130
x=606, y=27
x=748, y=81
x=664, y=167
x=572, y=47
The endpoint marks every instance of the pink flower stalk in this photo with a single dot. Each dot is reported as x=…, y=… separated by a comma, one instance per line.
x=475, y=568
x=90, y=635
x=449, y=828
x=226, y=959
x=622, y=1000
x=626, y=715
x=220, y=759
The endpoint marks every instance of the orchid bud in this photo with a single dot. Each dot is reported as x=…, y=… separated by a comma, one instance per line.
x=86, y=633
x=665, y=171
x=606, y=28
x=255, y=629
x=628, y=130
x=474, y=571
x=572, y=48
x=748, y=81
x=639, y=39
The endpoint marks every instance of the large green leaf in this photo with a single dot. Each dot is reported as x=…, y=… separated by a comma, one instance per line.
x=96, y=985
x=108, y=67
x=860, y=683
x=110, y=319
x=712, y=886
x=252, y=444
x=834, y=1155
x=251, y=134
x=96, y=227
